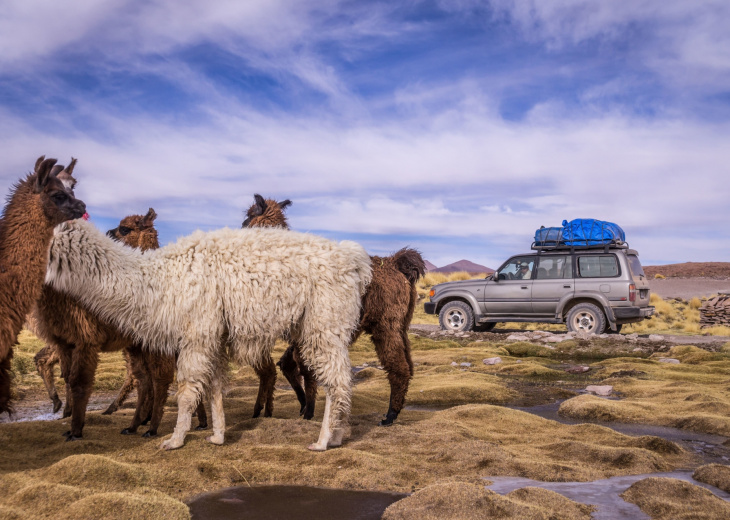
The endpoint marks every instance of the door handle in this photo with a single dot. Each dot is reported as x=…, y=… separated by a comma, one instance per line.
x=566, y=286
x=524, y=287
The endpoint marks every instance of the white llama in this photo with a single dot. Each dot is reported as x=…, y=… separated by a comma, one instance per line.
x=237, y=289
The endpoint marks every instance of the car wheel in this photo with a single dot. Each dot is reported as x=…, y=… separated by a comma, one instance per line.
x=456, y=316
x=485, y=327
x=586, y=317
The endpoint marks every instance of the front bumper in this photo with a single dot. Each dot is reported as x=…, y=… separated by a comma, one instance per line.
x=429, y=307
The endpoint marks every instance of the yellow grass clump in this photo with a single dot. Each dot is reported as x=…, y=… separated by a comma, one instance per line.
x=659, y=276
x=717, y=475
x=676, y=499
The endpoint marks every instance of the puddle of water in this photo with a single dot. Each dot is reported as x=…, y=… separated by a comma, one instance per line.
x=291, y=502
x=34, y=412
x=603, y=494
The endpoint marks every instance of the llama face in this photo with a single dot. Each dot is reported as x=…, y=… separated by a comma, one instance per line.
x=137, y=231
x=58, y=202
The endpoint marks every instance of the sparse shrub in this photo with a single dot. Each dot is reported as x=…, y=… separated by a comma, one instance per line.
x=695, y=303
x=23, y=363
x=659, y=276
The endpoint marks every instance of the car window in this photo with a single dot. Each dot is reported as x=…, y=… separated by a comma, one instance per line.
x=554, y=267
x=519, y=268
x=635, y=265
x=597, y=266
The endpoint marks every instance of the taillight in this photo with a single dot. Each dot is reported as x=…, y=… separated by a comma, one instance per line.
x=431, y=293
x=632, y=293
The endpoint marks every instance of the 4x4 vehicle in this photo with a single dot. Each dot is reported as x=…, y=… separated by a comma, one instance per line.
x=593, y=289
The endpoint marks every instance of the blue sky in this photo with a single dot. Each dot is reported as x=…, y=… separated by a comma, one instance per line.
x=457, y=127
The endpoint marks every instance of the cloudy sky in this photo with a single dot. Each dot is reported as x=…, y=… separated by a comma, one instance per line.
x=454, y=126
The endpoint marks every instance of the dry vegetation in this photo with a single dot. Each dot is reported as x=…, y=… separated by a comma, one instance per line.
x=435, y=450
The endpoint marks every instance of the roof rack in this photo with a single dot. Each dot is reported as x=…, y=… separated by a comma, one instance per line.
x=562, y=246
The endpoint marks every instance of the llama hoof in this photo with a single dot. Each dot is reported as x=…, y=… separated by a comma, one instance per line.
x=107, y=412
x=57, y=404
x=149, y=433
x=215, y=439
x=308, y=415
x=169, y=444
x=67, y=433
x=201, y=427
x=128, y=431
x=73, y=438
x=317, y=447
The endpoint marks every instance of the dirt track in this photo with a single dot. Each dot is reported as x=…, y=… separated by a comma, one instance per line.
x=687, y=288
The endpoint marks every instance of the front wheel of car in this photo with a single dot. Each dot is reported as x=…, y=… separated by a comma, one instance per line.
x=586, y=317
x=456, y=316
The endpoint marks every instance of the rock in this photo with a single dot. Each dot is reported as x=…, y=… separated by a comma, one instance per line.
x=466, y=364
x=577, y=369
x=669, y=360
x=604, y=390
x=492, y=360
x=638, y=349
x=656, y=337
x=603, y=336
x=518, y=337
x=454, y=364
x=518, y=361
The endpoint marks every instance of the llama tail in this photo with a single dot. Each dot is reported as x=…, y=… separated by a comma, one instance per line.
x=356, y=254
x=410, y=263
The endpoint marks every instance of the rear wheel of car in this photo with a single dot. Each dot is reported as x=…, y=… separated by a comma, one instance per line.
x=456, y=316
x=586, y=317
x=484, y=327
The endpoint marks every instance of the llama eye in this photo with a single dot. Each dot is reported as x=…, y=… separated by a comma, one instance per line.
x=124, y=231
x=59, y=196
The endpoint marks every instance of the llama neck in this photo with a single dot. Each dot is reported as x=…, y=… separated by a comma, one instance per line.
x=25, y=235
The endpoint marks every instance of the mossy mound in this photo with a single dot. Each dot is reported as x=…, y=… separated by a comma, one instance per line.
x=663, y=498
x=145, y=504
x=95, y=472
x=465, y=501
x=717, y=475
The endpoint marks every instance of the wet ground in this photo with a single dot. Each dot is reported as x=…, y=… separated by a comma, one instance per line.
x=291, y=502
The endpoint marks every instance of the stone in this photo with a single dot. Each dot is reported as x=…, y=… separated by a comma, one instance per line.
x=603, y=390
x=454, y=364
x=577, y=369
x=669, y=360
x=466, y=364
x=518, y=337
x=656, y=337
x=492, y=360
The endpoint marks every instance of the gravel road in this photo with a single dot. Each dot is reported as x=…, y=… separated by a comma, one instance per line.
x=687, y=288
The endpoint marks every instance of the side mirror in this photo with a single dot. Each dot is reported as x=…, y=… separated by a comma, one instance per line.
x=495, y=276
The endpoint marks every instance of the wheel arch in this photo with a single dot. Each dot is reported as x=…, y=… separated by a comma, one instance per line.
x=597, y=300
x=469, y=300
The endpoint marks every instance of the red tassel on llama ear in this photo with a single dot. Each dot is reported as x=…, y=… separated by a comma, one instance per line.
x=85, y=216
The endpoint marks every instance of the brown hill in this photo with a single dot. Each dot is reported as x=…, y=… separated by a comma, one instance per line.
x=429, y=266
x=463, y=265
x=690, y=270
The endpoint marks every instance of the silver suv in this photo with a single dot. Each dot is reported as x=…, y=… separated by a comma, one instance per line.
x=590, y=289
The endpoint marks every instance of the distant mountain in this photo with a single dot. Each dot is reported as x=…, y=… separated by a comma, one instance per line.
x=461, y=265
x=429, y=266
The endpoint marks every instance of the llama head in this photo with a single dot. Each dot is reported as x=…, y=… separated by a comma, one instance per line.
x=266, y=213
x=53, y=184
x=137, y=231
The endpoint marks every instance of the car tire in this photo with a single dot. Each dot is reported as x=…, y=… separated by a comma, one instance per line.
x=456, y=316
x=586, y=317
x=485, y=327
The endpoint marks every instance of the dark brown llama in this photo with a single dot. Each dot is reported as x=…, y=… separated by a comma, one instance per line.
x=78, y=336
x=35, y=206
x=387, y=311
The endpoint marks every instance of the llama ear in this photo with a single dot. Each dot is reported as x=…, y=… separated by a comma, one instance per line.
x=149, y=219
x=260, y=204
x=44, y=173
x=38, y=162
x=70, y=168
x=284, y=204
x=65, y=176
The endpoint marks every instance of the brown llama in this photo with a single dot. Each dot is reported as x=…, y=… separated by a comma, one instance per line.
x=387, y=311
x=35, y=206
x=79, y=335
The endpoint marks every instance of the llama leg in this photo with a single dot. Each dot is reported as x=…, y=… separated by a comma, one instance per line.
x=161, y=370
x=325, y=432
x=310, y=384
x=45, y=360
x=65, y=357
x=5, y=378
x=216, y=410
x=202, y=417
x=289, y=368
x=81, y=381
x=393, y=350
x=144, y=388
x=267, y=380
x=124, y=391
x=192, y=374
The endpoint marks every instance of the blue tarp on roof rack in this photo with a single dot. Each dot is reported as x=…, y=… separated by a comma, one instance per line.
x=591, y=232
x=549, y=236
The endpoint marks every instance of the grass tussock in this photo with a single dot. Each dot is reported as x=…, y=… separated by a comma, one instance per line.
x=466, y=501
x=717, y=475
x=676, y=499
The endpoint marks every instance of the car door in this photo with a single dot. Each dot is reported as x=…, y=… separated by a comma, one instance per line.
x=509, y=291
x=552, y=281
